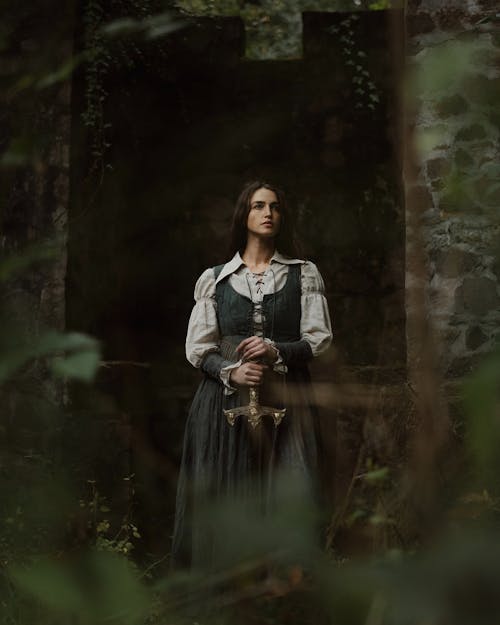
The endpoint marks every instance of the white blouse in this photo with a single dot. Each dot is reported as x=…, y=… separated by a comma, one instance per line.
x=203, y=331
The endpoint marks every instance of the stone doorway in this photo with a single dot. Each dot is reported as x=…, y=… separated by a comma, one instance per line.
x=188, y=127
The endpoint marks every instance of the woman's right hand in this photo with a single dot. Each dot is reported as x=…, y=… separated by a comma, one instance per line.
x=248, y=374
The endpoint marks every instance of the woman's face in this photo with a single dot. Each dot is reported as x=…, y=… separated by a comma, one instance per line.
x=264, y=215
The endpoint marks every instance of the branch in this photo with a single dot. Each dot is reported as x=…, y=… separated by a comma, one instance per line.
x=116, y=363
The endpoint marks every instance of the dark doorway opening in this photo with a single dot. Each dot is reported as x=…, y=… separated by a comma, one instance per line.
x=189, y=124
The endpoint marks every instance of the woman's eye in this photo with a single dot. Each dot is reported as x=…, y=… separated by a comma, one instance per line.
x=274, y=207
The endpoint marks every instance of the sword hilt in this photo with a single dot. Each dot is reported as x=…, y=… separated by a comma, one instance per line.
x=254, y=411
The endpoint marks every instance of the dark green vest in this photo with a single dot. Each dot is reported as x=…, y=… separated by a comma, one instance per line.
x=282, y=310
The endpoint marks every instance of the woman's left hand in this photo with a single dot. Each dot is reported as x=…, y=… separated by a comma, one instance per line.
x=255, y=348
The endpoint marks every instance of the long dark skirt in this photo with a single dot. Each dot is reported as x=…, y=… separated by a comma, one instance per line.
x=223, y=463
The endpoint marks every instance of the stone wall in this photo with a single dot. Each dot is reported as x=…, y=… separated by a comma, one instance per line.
x=458, y=130
x=35, y=140
x=34, y=192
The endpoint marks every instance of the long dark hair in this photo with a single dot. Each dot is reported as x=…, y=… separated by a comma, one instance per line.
x=286, y=239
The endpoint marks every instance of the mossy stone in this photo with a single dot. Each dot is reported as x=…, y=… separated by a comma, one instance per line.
x=463, y=159
x=475, y=337
x=471, y=133
x=451, y=105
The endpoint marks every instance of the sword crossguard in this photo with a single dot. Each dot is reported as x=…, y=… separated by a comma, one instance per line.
x=254, y=411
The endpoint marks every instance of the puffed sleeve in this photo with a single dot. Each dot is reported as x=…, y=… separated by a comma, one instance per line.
x=315, y=324
x=203, y=330
x=203, y=340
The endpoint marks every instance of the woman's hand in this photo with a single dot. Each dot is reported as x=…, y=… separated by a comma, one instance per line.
x=255, y=348
x=248, y=374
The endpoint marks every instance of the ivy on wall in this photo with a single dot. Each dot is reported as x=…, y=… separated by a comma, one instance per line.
x=99, y=60
x=115, y=35
x=274, y=27
x=354, y=58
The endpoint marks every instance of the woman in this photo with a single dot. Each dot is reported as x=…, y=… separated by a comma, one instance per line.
x=257, y=319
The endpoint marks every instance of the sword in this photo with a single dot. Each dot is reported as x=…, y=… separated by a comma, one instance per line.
x=254, y=411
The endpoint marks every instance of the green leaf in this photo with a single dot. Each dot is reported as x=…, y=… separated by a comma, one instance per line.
x=70, y=341
x=50, y=583
x=443, y=67
x=151, y=27
x=119, y=595
x=17, y=353
x=80, y=366
x=122, y=26
x=19, y=153
x=62, y=73
x=376, y=475
x=94, y=588
x=16, y=263
x=355, y=516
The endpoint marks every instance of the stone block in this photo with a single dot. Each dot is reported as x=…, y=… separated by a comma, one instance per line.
x=454, y=262
x=438, y=184
x=484, y=150
x=477, y=295
x=462, y=366
x=451, y=17
x=463, y=159
x=420, y=24
x=451, y=335
x=451, y=105
x=471, y=133
x=488, y=5
x=435, y=5
x=494, y=118
x=413, y=6
x=481, y=89
x=475, y=337
x=487, y=191
x=413, y=48
x=438, y=168
x=453, y=201
x=496, y=265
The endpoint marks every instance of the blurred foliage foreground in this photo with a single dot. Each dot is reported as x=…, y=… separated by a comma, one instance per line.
x=268, y=570
x=63, y=561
